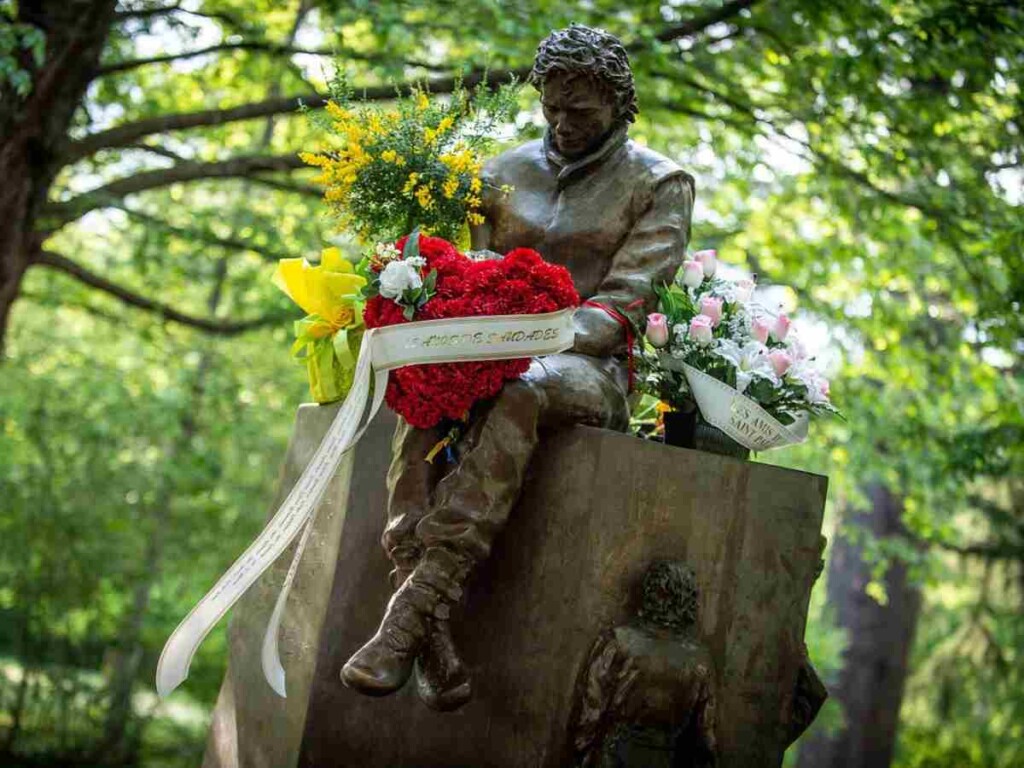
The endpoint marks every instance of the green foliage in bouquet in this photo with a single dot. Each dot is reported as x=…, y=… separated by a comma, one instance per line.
x=414, y=164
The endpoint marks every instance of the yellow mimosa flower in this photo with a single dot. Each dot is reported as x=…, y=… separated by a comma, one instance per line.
x=411, y=183
x=337, y=112
x=424, y=197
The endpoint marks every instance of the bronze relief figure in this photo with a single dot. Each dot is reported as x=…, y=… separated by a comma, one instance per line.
x=617, y=215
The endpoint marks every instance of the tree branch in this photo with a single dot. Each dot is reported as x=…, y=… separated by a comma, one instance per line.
x=208, y=325
x=275, y=49
x=272, y=48
x=691, y=27
x=149, y=13
x=988, y=551
x=146, y=13
x=307, y=190
x=129, y=133
x=59, y=214
x=161, y=151
x=204, y=236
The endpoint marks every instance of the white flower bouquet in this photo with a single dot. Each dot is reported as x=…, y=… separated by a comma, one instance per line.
x=744, y=367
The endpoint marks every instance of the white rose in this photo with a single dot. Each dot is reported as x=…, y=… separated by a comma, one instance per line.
x=398, y=277
x=744, y=290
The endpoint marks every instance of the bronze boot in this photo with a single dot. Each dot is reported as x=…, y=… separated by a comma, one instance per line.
x=384, y=664
x=442, y=679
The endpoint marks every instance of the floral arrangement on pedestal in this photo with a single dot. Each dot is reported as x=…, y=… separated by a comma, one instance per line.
x=327, y=338
x=406, y=180
x=429, y=279
x=386, y=172
x=711, y=347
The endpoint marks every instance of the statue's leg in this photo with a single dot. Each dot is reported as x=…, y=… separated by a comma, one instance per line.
x=411, y=480
x=470, y=507
x=472, y=503
x=443, y=682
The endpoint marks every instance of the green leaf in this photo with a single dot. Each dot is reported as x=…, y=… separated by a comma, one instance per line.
x=412, y=245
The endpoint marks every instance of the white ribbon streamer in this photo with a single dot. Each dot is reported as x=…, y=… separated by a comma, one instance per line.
x=495, y=337
x=738, y=416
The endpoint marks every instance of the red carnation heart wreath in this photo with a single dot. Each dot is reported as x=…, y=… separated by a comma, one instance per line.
x=521, y=283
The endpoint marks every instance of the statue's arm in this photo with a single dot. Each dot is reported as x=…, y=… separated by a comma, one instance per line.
x=480, y=236
x=605, y=682
x=652, y=253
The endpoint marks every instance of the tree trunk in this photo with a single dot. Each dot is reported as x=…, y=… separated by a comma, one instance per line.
x=34, y=128
x=875, y=668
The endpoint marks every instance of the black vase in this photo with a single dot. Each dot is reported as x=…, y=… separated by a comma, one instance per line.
x=679, y=427
x=689, y=430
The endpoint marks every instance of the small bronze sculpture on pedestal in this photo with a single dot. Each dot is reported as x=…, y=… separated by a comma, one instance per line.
x=617, y=215
x=646, y=696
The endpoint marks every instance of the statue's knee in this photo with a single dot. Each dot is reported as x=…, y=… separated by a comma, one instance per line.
x=523, y=395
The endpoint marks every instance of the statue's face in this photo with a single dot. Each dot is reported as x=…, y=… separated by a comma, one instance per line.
x=579, y=110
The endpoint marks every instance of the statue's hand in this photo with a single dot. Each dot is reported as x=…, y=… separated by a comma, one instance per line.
x=484, y=254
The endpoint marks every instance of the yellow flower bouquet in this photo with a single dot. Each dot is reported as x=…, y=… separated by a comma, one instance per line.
x=417, y=163
x=385, y=172
x=327, y=338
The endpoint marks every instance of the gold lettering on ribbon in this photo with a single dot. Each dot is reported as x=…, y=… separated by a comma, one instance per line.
x=435, y=340
x=752, y=426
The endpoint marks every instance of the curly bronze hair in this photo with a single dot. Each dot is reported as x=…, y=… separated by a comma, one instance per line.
x=670, y=595
x=583, y=50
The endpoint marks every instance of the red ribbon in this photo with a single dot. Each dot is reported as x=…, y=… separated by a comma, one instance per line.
x=622, y=320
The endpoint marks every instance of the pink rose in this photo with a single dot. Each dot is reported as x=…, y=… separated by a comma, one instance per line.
x=701, y=330
x=708, y=260
x=780, y=360
x=657, y=329
x=712, y=307
x=781, y=327
x=693, y=273
x=759, y=329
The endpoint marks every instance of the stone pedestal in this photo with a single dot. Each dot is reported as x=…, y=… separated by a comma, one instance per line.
x=598, y=508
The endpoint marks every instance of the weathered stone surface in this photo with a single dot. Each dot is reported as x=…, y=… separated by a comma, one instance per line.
x=598, y=508
x=252, y=726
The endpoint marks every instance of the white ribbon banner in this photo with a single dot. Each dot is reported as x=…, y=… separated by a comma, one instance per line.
x=738, y=416
x=493, y=337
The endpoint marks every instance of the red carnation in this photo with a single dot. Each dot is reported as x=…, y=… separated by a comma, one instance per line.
x=520, y=284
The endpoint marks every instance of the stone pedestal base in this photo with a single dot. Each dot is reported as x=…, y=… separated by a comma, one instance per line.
x=598, y=509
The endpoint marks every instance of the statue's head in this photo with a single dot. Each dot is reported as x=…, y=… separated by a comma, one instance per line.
x=670, y=595
x=586, y=87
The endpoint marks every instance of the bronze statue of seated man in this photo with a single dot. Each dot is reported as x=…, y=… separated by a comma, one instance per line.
x=617, y=215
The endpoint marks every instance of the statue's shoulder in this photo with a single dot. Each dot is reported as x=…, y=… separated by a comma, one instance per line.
x=515, y=162
x=654, y=166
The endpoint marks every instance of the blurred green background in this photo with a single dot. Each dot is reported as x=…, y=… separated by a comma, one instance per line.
x=864, y=154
